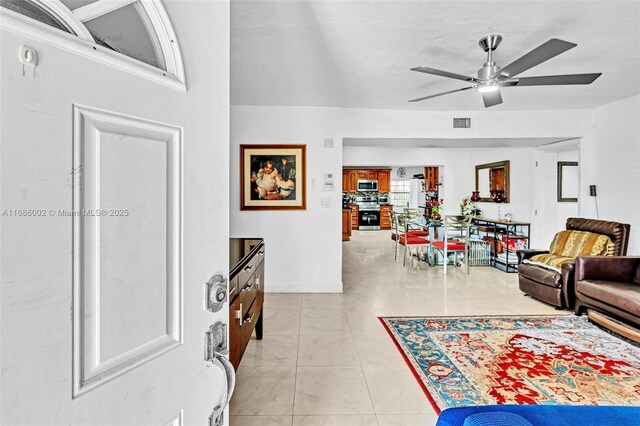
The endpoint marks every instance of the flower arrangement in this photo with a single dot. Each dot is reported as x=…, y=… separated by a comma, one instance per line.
x=468, y=208
x=436, y=206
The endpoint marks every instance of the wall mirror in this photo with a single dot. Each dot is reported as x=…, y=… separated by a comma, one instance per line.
x=568, y=181
x=491, y=177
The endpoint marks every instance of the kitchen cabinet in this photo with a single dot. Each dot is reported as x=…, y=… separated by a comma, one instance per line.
x=431, y=179
x=385, y=218
x=353, y=181
x=384, y=180
x=346, y=224
x=354, y=217
x=350, y=178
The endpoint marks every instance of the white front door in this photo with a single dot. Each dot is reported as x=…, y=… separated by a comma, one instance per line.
x=114, y=201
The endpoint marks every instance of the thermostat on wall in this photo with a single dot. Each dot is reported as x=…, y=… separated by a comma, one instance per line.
x=328, y=182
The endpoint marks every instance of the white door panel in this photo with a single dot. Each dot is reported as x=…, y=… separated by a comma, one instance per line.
x=125, y=289
x=127, y=243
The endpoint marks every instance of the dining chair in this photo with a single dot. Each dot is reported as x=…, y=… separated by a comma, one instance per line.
x=395, y=231
x=414, y=217
x=455, y=240
x=410, y=240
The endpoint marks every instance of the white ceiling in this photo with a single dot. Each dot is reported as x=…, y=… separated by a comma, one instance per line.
x=354, y=53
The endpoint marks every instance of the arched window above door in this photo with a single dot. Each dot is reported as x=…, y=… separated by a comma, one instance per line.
x=138, y=29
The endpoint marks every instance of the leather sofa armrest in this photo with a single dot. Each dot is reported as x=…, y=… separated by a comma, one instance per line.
x=528, y=253
x=568, y=284
x=606, y=268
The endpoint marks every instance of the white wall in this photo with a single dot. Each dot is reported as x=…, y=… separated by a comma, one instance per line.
x=551, y=215
x=459, y=172
x=610, y=159
x=305, y=246
x=409, y=170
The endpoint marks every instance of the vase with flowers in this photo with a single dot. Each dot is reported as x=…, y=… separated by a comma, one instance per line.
x=468, y=207
x=435, y=207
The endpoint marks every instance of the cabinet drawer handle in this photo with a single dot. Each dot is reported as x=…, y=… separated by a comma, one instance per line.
x=248, y=268
x=248, y=288
x=261, y=252
x=239, y=315
x=250, y=318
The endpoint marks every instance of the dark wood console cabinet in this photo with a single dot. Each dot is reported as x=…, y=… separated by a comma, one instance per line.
x=246, y=294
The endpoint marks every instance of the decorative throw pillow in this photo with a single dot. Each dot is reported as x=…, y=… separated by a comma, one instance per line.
x=575, y=243
x=566, y=245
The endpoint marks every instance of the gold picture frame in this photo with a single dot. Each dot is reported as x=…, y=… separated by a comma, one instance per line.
x=273, y=177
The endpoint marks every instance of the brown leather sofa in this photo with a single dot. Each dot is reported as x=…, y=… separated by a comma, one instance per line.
x=609, y=284
x=557, y=288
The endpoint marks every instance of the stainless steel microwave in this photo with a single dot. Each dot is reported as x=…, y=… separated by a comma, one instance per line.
x=367, y=186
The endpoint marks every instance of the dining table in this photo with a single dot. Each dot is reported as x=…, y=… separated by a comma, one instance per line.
x=435, y=233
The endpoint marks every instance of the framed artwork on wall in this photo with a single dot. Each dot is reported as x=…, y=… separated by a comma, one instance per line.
x=272, y=177
x=568, y=181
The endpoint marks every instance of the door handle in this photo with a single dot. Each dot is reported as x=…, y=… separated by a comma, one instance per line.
x=220, y=361
x=223, y=363
x=215, y=351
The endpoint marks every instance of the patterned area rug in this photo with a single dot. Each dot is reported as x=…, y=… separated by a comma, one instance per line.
x=561, y=359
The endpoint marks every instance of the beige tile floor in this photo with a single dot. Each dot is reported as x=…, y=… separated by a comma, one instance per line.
x=325, y=358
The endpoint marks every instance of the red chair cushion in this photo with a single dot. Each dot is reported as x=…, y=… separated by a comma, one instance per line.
x=418, y=233
x=411, y=240
x=451, y=246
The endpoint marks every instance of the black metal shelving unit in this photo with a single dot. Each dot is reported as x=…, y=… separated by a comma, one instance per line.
x=514, y=235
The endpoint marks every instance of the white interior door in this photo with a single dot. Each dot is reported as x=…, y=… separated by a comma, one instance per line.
x=112, y=221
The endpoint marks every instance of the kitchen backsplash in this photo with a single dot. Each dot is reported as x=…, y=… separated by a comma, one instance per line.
x=352, y=195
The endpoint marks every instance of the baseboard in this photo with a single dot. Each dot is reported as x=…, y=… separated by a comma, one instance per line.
x=288, y=287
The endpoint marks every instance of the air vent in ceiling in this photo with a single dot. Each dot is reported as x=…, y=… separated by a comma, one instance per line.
x=461, y=123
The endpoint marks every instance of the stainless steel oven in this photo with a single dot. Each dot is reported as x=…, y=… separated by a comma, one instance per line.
x=367, y=186
x=368, y=213
x=369, y=218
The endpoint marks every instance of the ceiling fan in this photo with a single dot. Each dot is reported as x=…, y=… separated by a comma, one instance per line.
x=491, y=77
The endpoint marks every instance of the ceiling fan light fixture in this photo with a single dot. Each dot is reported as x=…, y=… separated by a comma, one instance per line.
x=488, y=87
x=491, y=77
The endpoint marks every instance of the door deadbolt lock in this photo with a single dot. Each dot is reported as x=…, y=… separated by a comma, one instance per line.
x=215, y=293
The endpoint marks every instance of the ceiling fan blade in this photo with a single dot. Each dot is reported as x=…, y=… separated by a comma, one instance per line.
x=441, y=73
x=440, y=94
x=491, y=98
x=552, y=80
x=537, y=56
